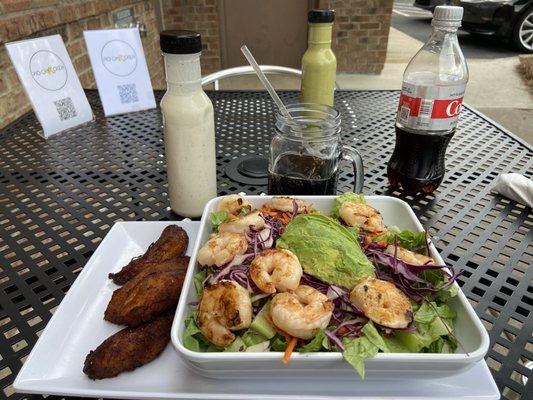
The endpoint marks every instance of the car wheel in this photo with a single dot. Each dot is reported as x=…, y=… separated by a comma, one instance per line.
x=523, y=32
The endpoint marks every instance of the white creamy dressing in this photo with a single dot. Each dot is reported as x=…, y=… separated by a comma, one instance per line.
x=188, y=120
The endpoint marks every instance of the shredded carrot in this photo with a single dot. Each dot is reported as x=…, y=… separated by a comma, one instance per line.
x=342, y=330
x=291, y=344
x=267, y=210
x=283, y=216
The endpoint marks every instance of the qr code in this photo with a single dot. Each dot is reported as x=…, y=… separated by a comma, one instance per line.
x=65, y=108
x=404, y=114
x=128, y=93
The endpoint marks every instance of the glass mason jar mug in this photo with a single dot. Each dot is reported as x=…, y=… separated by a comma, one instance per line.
x=306, y=150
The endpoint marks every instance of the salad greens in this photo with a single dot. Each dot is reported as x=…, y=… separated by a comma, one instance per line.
x=326, y=250
x=357, y=350
x=348, y=196
x=372, y=334
x=192, y=336
x=434, y=323
x=319, y=343
x=198, y=280
x=334, y=260
x=414, y=241
x=217, y=218
x=251, y=338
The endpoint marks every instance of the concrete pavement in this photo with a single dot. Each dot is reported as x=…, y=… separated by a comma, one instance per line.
x=495, y=87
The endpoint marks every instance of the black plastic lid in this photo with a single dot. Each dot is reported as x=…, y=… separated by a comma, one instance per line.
x=318, y=16
x=180, y=42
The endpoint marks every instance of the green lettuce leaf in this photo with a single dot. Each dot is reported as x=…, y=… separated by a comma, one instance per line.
x=319, y=343
x=357, y=350
x=217, y=218
x=429, y=311
x=278, y=343
x=213, y=348
x=251, y=338
x=443, y=296
x=244, y=211
x=236, y=346
x=437, y=278
x=450, y=344
x=432, y=322
x=327, y=250
x=372, y=334
x=414, y=241
x=192, y=336
x=395, y=345
x=198, y=280
x=348, y=196
x=443, y=344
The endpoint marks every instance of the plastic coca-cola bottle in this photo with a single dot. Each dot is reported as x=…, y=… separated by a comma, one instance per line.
x=433, y=87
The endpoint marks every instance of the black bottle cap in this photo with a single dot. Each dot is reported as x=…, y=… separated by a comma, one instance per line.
x=318, y=16
x=180, y=42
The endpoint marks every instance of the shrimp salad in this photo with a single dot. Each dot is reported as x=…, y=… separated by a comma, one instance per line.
x=287, y=278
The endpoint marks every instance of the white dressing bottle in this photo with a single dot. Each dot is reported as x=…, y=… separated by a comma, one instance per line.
x=189, y=126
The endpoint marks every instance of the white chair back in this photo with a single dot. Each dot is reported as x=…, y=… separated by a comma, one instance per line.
x=247, y=70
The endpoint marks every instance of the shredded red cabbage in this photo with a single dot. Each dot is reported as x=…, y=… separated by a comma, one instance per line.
x=407, y=276
x=351, y=327
x=345, y=314
x=309, y=280
x=237, y=269
x=275, y=226
x=334, y=340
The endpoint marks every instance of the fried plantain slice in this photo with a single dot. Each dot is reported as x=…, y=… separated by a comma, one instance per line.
x=177, y=264
x=172, y=243
x=144, y=297
x=129, y=348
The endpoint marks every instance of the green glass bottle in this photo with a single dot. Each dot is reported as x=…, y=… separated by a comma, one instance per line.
x=319, y=65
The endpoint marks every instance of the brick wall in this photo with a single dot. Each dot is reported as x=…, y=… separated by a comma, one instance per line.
x=360, y=33
x=20, y=19
x=200, y=16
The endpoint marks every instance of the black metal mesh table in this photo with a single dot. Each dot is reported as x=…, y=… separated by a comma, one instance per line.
x=59, y=198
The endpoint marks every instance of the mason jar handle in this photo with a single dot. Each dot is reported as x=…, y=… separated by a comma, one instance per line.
x=352, y=155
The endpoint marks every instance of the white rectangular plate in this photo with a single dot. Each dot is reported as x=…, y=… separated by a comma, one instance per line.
x=55, y=363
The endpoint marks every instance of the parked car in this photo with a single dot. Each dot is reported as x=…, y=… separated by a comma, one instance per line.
x=511, y=20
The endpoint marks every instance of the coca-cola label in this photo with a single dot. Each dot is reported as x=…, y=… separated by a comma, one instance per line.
x=431, y=108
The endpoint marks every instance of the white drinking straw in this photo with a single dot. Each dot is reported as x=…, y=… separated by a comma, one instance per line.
x=266, y=83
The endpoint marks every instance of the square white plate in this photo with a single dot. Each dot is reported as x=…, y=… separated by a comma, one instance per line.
x=55, y=363
x=470, y=332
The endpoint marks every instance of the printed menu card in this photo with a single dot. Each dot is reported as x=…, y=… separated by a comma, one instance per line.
x=50, y=81
x=120, y=70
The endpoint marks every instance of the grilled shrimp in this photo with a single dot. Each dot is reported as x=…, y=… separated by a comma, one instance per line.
x=363, y=216
x=241, y=224
x=276, y=269
x=221, y=249
x=233, y=204
x=301, y=314
x=224, y=307
x=285, y=204
x=409, y=256
x=383, y=303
